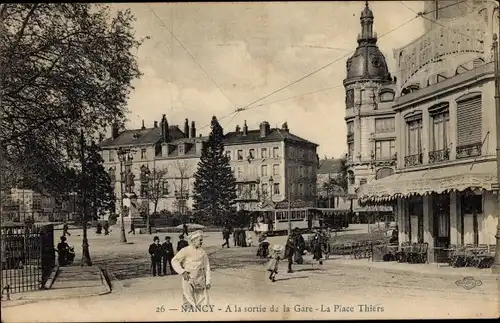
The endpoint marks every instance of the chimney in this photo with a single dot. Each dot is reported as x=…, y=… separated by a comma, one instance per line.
x=245, y=129
x=199, y=145
x=186, y=128
x=156, y=124
x=115, y=130
x=164, y=129
x=193, y=130
x=284, y=127
x=264, y=129
x=143, y=126
x=238, y=129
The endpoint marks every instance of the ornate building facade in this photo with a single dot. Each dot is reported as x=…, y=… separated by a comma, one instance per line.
x=268, y=164
x=371, y=127
x=445, y=185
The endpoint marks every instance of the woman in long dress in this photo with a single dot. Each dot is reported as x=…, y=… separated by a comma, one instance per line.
x=193, y=265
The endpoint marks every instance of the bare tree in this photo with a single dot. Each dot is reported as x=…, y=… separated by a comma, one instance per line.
x=181, y=183
x=157, y=186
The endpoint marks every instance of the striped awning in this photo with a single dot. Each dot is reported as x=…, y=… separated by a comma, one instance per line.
x=477, y=175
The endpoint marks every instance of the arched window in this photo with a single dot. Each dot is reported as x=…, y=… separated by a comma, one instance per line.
x=410, y=88
x=386, y=95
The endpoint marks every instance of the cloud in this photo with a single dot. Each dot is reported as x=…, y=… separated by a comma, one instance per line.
x=250, y=50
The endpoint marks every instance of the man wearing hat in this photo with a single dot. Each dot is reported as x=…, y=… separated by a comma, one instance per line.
x=193, y=265
x=168, y=253
x=156, y=251
x=181, y=243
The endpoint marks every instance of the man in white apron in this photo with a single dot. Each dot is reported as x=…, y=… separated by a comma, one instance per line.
x=192, y=264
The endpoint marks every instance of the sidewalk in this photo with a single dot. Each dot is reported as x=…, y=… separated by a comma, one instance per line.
x=431, y=268
x=64, y=283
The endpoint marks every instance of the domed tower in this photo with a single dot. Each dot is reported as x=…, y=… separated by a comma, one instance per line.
x=369, y=116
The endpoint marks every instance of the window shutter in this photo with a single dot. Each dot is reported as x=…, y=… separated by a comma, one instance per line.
x=469, y=121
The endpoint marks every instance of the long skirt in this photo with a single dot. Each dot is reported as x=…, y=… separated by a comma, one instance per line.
x=297, y=257
x=191, y=296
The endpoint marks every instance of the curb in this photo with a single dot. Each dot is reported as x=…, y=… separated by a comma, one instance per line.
x=104, y=282
x=52, y=277
x=43, y=296
x=423, y=271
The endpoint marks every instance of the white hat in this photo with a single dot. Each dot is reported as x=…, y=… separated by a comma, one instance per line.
x=277, y=247
x=195, y=234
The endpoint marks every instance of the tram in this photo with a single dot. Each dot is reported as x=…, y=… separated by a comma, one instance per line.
x=274, y=220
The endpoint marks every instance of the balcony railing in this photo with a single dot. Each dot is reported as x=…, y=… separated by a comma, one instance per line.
x=350, y=136
x=438, y=156
x=471, y=150
x=413, y=160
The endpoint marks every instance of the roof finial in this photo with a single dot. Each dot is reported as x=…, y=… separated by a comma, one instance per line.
x=366, y=3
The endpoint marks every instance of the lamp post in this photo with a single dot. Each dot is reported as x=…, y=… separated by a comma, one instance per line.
x=289, y=206
x=121, y=156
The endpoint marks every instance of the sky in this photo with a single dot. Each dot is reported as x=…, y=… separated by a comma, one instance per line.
x=224, y=56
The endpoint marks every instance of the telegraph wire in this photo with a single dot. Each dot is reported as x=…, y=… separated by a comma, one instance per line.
x=456, y=31
x=191, y=55
x=444, y=7
x=246, y=107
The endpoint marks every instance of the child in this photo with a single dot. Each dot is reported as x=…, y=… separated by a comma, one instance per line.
x=272, y=265
x=249, y=241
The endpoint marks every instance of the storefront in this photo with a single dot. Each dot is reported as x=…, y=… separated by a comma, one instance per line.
x=449, y=205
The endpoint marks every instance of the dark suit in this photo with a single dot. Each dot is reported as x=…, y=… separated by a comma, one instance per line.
x=181, y=244
x=156, y=251
x=168, y=254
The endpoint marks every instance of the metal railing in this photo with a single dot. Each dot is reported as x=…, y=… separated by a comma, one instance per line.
x=413, y=160
x=27, y=255
x=439, y=156
x=471, y=150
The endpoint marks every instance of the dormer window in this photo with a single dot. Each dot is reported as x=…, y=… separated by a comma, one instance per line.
x=136, y=136
x=181, y=149
x=386, y=96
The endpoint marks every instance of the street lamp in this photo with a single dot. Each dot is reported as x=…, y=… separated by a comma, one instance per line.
x=121, y=157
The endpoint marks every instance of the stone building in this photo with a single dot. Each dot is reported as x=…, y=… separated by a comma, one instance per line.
x=445, y=182
x=371, y=131
x=268, y=163
x=271, y=164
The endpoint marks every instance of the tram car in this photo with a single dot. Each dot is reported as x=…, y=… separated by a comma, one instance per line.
x=334, y=219
x=275, y=222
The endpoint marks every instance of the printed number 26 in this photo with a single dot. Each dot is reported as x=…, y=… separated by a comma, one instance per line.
x=160, y=309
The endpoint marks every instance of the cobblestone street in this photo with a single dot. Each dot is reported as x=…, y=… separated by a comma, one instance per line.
x=239, y=279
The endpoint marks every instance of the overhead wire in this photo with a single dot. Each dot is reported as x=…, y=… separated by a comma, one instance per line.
x=191, y=55
x=247, y=106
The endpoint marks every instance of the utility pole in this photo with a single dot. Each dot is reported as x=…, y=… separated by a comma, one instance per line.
x=496, y=265
x=83, y=182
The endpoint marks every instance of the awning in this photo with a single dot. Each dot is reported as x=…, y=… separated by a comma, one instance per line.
x=479, y=175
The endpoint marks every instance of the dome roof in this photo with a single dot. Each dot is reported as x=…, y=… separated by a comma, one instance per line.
x=367, y=63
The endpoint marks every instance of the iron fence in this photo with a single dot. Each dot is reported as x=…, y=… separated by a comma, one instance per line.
x=28, y=256
x=38, y=216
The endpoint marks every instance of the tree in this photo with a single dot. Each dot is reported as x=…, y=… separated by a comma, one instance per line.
x=92, y=183
x=64, y=67
x=215, y=185
x=338, y=183
x=99, y=190
x=155, y=190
